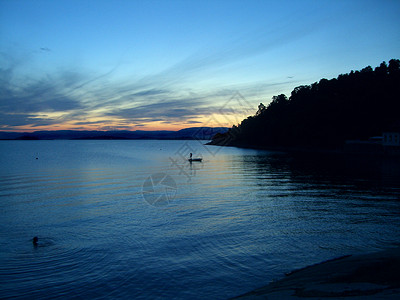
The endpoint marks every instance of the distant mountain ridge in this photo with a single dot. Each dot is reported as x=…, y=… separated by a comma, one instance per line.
x=199, y=133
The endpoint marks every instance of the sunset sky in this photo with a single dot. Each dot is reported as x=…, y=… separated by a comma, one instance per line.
x=146, y=65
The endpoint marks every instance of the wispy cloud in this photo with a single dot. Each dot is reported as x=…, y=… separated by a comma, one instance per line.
x=76, y=99
x=168, y=96
x=9, y=121
x=175, y=110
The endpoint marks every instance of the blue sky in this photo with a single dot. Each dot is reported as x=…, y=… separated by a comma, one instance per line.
x=146, y=65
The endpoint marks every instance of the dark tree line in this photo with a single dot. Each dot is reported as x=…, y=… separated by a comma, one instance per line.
x=357, y=105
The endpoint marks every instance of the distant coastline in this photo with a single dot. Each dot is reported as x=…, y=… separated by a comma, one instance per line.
x=192, y=133
x=363, y=148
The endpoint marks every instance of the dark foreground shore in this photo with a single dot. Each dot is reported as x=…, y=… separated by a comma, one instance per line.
x=367, y=276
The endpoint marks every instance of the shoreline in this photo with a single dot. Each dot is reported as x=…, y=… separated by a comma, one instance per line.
x=363, y=276
x=382, y=153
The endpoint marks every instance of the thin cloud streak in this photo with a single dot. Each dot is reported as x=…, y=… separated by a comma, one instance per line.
x=150, y=99
x=107, y=102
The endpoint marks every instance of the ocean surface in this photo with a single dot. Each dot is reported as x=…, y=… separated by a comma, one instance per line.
x=134, y=219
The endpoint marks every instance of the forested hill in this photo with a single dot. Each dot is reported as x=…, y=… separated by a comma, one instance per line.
x=325, y=114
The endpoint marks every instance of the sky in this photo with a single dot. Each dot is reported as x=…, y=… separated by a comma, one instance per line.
x=168, y=65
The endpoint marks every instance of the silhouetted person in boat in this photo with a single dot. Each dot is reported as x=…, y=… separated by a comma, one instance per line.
x=191, y=155
x=35, y=241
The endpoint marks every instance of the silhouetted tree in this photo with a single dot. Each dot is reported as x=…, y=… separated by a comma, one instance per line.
x=394, y=67
x=382, y=69
x=261, y=109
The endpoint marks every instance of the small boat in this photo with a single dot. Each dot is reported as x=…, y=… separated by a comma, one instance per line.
x=194, y=159
x=191, y=159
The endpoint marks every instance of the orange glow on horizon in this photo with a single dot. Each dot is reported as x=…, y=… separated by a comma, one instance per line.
x=204, y=121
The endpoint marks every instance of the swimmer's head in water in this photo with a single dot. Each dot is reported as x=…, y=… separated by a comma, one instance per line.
x=35, y=240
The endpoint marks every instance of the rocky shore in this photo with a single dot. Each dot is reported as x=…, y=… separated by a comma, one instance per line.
x=367, y=276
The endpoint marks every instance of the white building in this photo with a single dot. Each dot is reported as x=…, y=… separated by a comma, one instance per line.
x=391, y=139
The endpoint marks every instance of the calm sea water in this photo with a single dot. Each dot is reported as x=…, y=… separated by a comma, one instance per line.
x=133, y=219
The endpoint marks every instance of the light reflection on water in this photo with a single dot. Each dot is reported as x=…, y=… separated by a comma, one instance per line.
x=240, y=219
